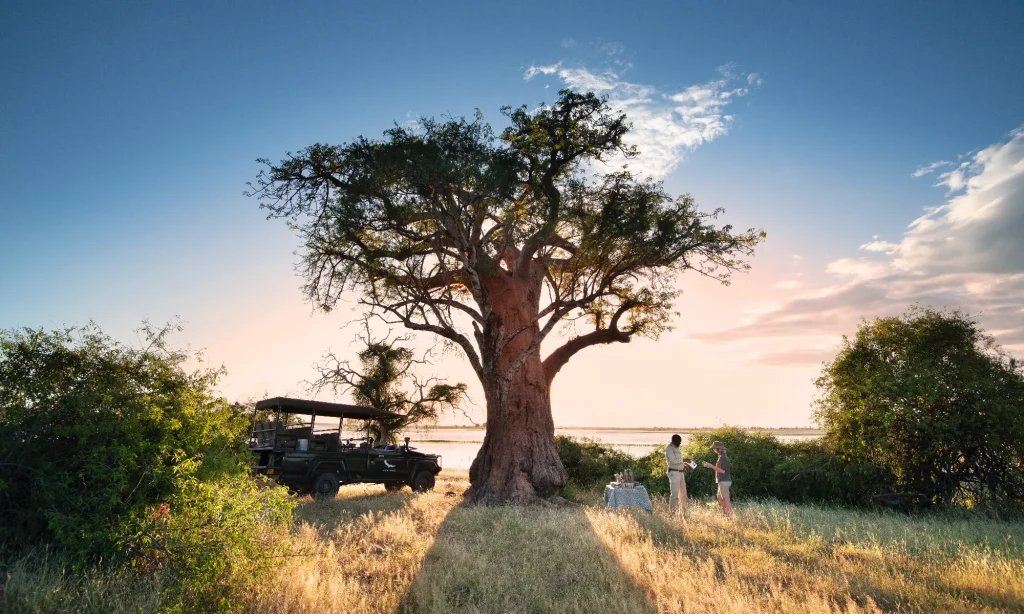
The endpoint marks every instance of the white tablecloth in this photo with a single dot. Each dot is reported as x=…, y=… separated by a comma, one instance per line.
x=616, y=497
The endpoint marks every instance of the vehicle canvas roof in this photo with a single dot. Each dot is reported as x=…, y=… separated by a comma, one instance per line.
x=322, y=408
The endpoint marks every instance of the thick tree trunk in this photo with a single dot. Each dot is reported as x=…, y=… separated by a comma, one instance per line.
x=518, y=462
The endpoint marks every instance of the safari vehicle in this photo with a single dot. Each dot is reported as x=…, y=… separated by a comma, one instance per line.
x=301, y=447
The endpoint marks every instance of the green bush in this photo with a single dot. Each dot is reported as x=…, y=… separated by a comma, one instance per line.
x=762, y=467
x=93, y=432
x=212, y=542
x=651, y=470
x=589, y=463
x=753, y=456
x=930, y=396
x=809, y=473
x=116, y=454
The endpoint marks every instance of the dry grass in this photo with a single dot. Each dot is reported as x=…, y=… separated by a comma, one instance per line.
x=407, y=553
x=37, y=584
x=368, y=551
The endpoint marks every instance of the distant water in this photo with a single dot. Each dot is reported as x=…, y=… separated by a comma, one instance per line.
x=459, y=446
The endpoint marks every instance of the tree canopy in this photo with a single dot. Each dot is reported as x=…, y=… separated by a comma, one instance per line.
x=934, y=399
x=418, y=221
x=387, y=380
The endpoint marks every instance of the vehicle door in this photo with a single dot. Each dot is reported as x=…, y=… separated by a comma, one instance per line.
x=355, y=459
x=388, y=463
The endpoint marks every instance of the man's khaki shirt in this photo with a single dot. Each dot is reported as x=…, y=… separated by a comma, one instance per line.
x=674, y=457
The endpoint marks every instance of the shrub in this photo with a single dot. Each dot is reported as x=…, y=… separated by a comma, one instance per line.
x=762, y=467
x=930, y=396
x=753, y=456
x=112, y=452
x=589, y=463
x=212, y=542
x=651, y=471
x=809, y=473
x=93, y=432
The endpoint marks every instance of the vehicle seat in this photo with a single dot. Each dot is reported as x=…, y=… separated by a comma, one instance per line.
x=300, y=432
x=325, y=442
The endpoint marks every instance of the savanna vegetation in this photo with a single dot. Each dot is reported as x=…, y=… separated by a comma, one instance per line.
x=121, y=458
x=372, y=551
x=125, y=482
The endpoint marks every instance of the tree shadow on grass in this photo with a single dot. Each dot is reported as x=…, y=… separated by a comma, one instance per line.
x=352, y=504
x=517, y=560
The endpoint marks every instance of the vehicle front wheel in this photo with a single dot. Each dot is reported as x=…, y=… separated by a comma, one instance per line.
x=394, y=486
x=325, y=486
x=423, y=481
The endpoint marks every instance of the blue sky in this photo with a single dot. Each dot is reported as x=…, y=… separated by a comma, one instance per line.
x=128, y=131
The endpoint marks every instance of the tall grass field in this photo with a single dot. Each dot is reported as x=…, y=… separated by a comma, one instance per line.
x=371, y=551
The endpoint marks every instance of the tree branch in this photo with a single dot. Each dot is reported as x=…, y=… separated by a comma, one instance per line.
x=557, y=359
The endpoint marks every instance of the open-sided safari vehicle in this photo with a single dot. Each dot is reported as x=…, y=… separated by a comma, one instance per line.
x=302, y=447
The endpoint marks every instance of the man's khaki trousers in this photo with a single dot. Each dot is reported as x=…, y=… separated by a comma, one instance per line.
x=677, y=491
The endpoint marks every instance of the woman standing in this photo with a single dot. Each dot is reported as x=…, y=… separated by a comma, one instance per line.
x=722, y=476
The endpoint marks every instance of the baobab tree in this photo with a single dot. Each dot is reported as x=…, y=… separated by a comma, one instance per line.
x=492, y=242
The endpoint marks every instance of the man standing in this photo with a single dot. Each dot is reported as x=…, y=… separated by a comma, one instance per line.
x=722, y=476
x=676, y=482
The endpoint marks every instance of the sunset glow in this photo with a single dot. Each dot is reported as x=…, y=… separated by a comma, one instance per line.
x=884, y=178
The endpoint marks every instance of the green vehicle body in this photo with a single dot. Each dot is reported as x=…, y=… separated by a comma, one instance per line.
x=293, y=452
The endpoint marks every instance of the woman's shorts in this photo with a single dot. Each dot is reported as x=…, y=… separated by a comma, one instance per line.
x=723, y=489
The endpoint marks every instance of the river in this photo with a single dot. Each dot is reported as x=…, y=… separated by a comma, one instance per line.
x=458, y=446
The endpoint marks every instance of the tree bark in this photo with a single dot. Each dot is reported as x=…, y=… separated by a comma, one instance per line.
x=518, y=462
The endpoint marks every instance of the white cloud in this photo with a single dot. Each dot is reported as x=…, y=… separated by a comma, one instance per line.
x=879, y=246
x=979, y=229
x=924, y=170
x=788, y=284
x=666, y=125
x=856, y=268
x=754, y=79
x=612, y=48
x=967, y=254
x=568, y=43
x=794, y=358
x=758, y=308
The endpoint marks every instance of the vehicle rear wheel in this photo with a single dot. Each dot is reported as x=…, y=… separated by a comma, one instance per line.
x=325, y=486
x=423, y=481
x=394, y=486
